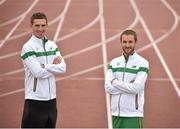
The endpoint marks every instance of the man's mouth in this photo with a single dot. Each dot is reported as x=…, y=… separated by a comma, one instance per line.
x=128, y=49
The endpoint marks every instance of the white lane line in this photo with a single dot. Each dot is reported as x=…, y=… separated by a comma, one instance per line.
x=171, y=30
x=12, y=72
x=61, y=21
x=11, y=93
x=10, y=55
x=170, y=75
x=104, y=54
x=86, y=27
x=12, y=20
x=2, y=1
x=164, y=64
x=17, y=24
x=103, y=36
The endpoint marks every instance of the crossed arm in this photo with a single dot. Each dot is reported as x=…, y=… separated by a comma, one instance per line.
x=115, y=86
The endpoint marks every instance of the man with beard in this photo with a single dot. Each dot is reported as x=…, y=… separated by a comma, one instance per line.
x=125, y=82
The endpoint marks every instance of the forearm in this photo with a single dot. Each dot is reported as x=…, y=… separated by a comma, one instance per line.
x=132, y=87
x=56, y=68
x=110, y=89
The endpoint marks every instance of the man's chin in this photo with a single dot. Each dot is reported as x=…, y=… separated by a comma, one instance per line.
x=128, y=52
x=40, y=36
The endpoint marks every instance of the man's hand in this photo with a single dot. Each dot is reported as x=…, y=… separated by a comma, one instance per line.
x=57, y=60
x=42, y=66
x=132, y=81
x=115, y=82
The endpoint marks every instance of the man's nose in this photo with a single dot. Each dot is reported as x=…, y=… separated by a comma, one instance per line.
x=127, y=44
x=40, y=28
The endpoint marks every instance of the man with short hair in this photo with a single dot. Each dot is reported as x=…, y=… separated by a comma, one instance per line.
x=125, y=82
x=42, y=60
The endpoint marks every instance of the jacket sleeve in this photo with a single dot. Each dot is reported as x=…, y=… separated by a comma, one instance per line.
x=57, y=68
x=30, y=61
x=137, y=85
x=109, y=88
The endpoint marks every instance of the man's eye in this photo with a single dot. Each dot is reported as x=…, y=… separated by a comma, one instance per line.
x=40, y=25
x=124, y=41
x=37, y=25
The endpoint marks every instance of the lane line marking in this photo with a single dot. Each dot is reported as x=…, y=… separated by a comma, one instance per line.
x=61, y=21
x=86, y=27
x=2, y=1
x=11, y=20
x=11, y=93
x=12, y=72
x=170, y=75
x=104, y=54
x=17, y=24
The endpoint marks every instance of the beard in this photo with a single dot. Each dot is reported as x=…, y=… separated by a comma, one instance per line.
x=128, y=51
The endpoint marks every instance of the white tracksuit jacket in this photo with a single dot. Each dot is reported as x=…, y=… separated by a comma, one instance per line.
x=127, y=94
x=40, y=82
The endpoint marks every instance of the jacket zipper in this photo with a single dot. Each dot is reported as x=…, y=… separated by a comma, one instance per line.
x=122, y=80
x=47, y=62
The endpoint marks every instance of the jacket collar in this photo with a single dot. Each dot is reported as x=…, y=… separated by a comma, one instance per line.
x=34, y=38
x=126, y=58
x=41, y=41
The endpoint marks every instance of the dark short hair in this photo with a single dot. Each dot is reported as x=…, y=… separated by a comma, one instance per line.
x=129, y=32
x=38, y=15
